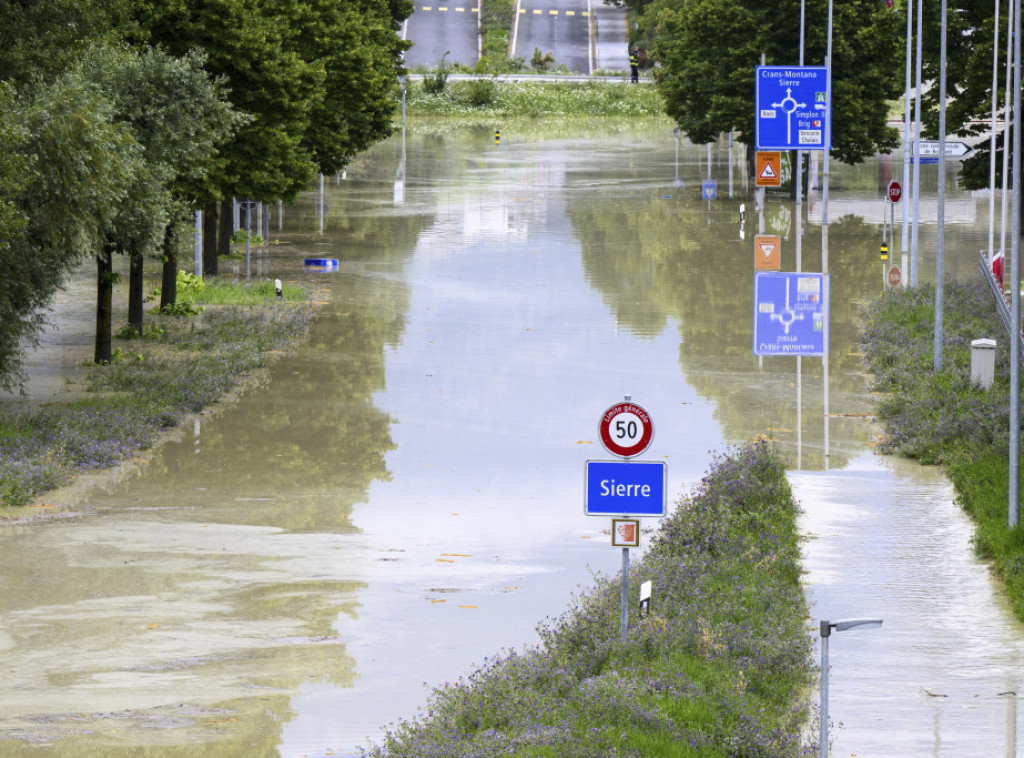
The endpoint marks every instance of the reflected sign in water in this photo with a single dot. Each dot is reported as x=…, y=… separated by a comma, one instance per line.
x=790, y=313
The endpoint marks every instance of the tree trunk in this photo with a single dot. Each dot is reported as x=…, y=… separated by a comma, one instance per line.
x=226, y=229
x=169, y=279
x=210, y=239
x=104, y=303
x=135, y=292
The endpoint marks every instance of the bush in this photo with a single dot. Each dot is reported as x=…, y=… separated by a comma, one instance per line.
x=435, y=83
x=541, y=61
x=480, y=92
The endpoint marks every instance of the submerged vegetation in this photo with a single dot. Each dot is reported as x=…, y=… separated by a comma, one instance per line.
x=182, y=366
x=942, y=417
x=720, y=667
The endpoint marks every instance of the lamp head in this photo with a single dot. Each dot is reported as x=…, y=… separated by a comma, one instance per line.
x=843, y=624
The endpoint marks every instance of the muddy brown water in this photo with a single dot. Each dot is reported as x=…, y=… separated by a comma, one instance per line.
x=401, y=497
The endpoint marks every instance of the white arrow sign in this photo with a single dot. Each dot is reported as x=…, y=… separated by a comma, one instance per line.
x=953, y=149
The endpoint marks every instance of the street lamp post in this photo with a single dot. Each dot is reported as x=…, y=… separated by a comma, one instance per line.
x=826, y=631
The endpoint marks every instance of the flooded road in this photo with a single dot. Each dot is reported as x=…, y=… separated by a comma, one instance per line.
x=402, y=497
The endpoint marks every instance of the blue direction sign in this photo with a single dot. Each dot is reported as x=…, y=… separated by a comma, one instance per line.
x=790, y=313
x=792, y=107
x=625, y=488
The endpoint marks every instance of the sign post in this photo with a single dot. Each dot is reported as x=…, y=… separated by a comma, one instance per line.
x=626, y=490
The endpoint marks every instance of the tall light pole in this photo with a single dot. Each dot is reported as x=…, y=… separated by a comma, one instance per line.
x=917, y=151
x=1014, y=483
x=799, y=171
x=906, y=142
x=826, y=628
x=940, y=251
x=992, y=138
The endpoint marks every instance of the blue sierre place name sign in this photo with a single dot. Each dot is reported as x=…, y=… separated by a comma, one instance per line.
x=625, y=488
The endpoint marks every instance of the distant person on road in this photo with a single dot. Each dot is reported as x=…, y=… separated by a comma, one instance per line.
x=634, y=66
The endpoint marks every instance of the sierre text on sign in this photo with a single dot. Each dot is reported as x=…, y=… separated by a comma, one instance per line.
x=625, y=488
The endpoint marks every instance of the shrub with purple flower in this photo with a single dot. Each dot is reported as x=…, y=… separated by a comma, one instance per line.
x=720, y=669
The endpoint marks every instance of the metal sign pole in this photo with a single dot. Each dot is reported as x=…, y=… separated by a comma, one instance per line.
x=940, y=251
x=823, y=729
x=624, y=626
x=1015, y=323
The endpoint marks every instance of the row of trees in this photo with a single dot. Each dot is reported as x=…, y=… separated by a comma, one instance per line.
x=118, y=118
x=707, y=51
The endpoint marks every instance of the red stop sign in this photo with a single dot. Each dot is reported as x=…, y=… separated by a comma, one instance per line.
x=895, y=191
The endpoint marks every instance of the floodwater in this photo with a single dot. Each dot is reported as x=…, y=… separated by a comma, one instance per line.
x=402, y=497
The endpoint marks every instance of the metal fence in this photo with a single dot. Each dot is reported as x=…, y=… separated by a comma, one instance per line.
x=1002, y=308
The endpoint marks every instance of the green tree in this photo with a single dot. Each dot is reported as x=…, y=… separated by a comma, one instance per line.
x=362, y=55
x=56, y=168
x=75, y=167
x=178, y=116
x=708, y=50
x=39, y=39
x=969, y=42
x=318, y=80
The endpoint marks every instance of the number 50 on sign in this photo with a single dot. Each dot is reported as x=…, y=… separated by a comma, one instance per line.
x=626, y=429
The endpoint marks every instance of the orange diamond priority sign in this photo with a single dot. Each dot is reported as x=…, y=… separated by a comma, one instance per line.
x=768, y=169
x=767, y=252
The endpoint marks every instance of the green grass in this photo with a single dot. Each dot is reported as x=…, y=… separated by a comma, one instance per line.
x=573, y=103
x=228, y=292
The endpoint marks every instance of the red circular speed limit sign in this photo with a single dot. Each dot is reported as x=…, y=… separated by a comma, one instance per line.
x=895, y=191
x=626, y=429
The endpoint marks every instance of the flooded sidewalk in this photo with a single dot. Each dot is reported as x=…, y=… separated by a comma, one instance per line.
x=942, y=676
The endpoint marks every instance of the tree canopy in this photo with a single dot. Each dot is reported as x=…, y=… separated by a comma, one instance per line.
x=99, y=142
x=318, y=80
x=708, y=50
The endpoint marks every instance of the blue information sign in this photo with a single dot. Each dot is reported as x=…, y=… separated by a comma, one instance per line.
x=709, y=189
x=625, y=488
x=790, y=313
x=792, y=107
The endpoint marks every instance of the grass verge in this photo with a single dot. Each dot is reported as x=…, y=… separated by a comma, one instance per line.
x=942, y=417
x=490, y=102
x=720, y=668
x=183, y=366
